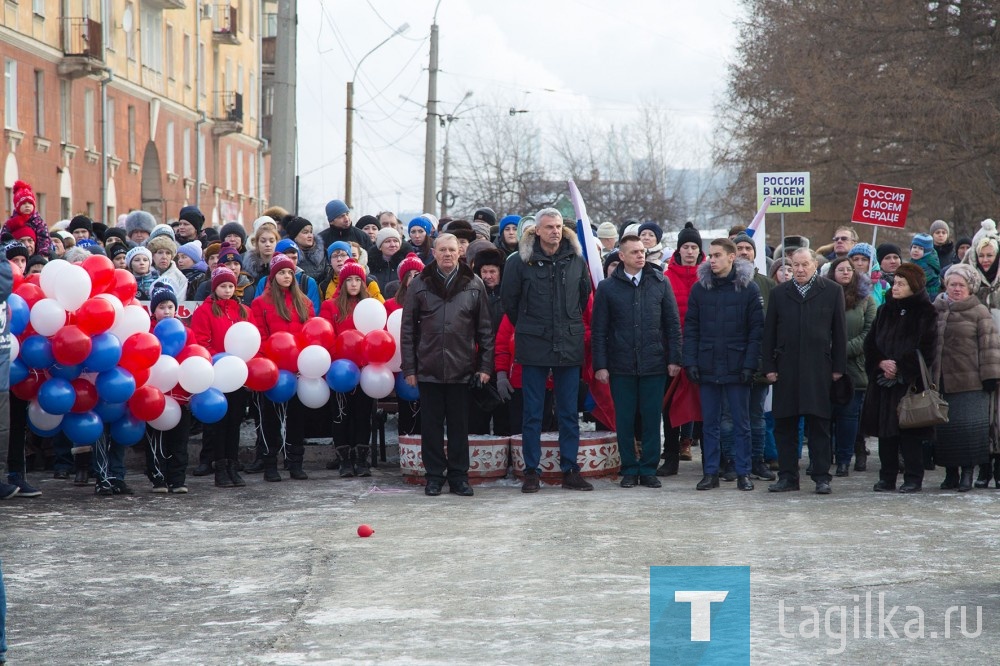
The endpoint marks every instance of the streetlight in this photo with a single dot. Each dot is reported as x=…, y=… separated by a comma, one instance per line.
x=446, y=121
x=349, y=149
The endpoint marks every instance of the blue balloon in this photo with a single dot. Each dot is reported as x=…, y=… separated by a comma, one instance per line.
x=65, y=371
x=284, y=389
x=18, y=371
x=44, y=433
x=209, y=406
x=36, y=352
x=404, y=391
x=56, y=396
x=115, y=385
x=111, y=411
x=84, y=428
x=105, y=352
x=19, y=313
x=172, y=336
x=343, y=376
x=128, y=430
x=216, y=357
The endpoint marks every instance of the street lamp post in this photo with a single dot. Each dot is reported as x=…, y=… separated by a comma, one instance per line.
x=349, y=148
x=446, y=121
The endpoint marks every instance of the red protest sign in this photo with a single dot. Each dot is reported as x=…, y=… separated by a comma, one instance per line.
x=881, y=205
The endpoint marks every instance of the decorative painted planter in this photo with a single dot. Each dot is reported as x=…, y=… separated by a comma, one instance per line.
x=598, y=455
x=488, y=458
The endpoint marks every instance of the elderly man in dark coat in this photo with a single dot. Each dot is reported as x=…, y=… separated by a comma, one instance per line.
x=805, y=350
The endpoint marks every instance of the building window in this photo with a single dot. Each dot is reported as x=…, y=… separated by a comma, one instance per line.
x=239, y=78
x=171, y=166
x=168, y=52
x=252, y=175
x=38, y=7
x=88, y=120
x=131, y=133
x=10, y=93
x=239, y=171
x=151, y=34
x=229, y=168
x=109, y=127
x=65, y=208
x=66, y=111
x=201, y=68
x=187, y=60
x=128, y=25
x=201, y=157
x=268, y=101
x=186, y=152
x=39, y=103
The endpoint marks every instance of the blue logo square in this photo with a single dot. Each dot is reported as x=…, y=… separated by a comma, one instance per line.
x=699, y=615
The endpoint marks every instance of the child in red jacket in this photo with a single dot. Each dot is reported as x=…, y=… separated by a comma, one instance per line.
x=282, y=307
x=209, y=323
x=26, y=214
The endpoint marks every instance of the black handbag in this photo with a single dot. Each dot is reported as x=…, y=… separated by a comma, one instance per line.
x=922, y=409
x=484, y=394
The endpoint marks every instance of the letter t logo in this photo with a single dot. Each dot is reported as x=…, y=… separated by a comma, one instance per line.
x=701, y=610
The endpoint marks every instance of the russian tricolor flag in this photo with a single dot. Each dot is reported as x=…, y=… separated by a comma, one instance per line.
x=757, y=231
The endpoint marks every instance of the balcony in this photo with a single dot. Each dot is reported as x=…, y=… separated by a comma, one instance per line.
x=268, y=53
x=228, y=114
x=166, y=4
x=83, y=48
x=225, y=25
x=265, y=127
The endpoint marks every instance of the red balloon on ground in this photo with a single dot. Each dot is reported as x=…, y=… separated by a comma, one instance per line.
x=95, y=316
x=124, y=286
x=140, y=351
x=317, y=331
x=379, y=347
x=365, y=531
x=102, y=273
x=70, y=345
x=147, y=403
x=86, y=395
x=262, y=374
x=351, y=346
x=283, y=349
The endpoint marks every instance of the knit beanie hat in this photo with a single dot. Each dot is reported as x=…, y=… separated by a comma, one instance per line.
x=68, y=240
x=772, y=271
x=115, y=232
x=222, y=274
x=81, y=222
x=22, y=195
x=612, y=257
x=482, y=230
x=885, y=249
x=967, y=272
x=631, y=230
x=485, y=214
x=294, y=225
x=263, y=219
x=742, y=237
x=159, y=292
x=939, y=224
x=508, y=220
x=35, y=260
x=383, y=234
x=351, y=269
x=607, y=230
x=209, y=235
x=99, y=230
x=131, y=254
x=191, y=250
x=651, y=226
x=422, y=222
x=157, y=243
x=279, y=262
x=344, y=246
x=162, y=230
x=284, y=245
x=987, y=234
x=924, y=241
x=862, y=248
x=964, y=240
x=139, y=220
x=335, y=208
x=914, y=276
x=410, y=263
x=14, y=249
x=117, y=249
x=231, y=228
x=229, y=253
x=526, y=222
x=25, y=232
x=193, y=215
x=365, y=220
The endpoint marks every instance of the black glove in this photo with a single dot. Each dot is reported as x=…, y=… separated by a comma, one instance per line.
x=746, y=376
x=694, y=374
x=989, y=385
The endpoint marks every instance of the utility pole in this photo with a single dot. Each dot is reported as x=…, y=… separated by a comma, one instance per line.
x=349, y=150
x=283, y=132
x=430, y=144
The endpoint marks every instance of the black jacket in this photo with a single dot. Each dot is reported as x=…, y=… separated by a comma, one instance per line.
x=724, y=324
x=446, y=334
x=331, y=235
x=6, y=288
x=384, y=271
x=545, y=297
x=635, y=330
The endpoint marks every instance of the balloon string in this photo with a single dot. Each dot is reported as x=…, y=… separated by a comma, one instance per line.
x=283, y=416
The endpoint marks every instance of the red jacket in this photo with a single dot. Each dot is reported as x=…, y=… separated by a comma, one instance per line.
x=682, y=278
x=209, y=330
x=328, y=310
x=268, y=320
x=391, y=306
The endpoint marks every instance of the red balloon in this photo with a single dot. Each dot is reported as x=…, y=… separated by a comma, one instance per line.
x=140, y=351
x=179, y=394
x=96, y=315
x=350, y=345
x=28, y=389
x=31, y=293
x=140, y=376
x=147, y=403
x=317, y=331
x=34, y=278
x=18, y=275
x=124, y=286
x=365, y=531
x=70, y=345
x=262, y=374
x=193, y=350
x=379, y=347
x=102, y=273
x=283, y=349
x=86, y=395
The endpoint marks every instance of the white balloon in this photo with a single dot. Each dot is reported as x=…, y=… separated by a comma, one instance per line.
x=393, y=324
x=395, y=364
x=49, y=279
x=196, y=375
x=41, y=418
x=242, y=340
x=369, y=315
x=230, y=373
x=164, y=374
x=134, y=319
x=170, y=417
x=116, y=304
x=314, y=361
x=15, y=347
x=313, y=392
x=47, y=317
x=377, y=380
x=74, y=287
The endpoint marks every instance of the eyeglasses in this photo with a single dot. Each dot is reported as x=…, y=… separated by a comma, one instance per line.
x=841, y=238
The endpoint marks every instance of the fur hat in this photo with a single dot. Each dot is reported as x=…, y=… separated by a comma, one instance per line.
x=461, y=229
x=885, y=249
x=384, y=234
x=156, y=243
x=485, y=214
x=335, y=208
x=22, y=195
x=490, y=256
x=651, y=226
x=211, y=251
x=966, y=272
x=924, y=241
x=410, y=263
x=222, y=274
x=914, y=276
x=229, y=253
x=279, y=262
x=231, y=228
x=81, y=222
x=351, y=268
x=193, y=215
x=139, y=220
x=159, y=292
x=940, y=224
x=131, y=254
x=191, y=250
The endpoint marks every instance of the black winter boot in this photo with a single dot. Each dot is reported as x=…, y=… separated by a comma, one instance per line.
x=950, y=479
x=996, y=472
x=234, y=474
x=985, y=474
x=965, y=483
x=222, y=478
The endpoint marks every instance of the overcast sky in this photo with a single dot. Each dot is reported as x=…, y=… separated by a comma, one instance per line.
x=575, y=58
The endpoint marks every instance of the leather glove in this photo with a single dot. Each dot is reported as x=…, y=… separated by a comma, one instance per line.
x=746, y=376
x=694, y=374
x=504, y=387
x=989, y=386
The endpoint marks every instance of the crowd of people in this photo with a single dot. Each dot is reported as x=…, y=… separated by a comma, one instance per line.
x=504, y=332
